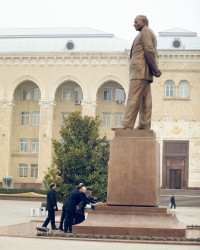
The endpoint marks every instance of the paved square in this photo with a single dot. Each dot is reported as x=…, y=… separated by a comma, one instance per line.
x=14, y=212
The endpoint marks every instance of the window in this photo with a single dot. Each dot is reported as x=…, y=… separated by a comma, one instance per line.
x=34, y=170
x=106, y=119
x=35, y=145
x=107, y=94
x=63, y=114
x=36, y=94
x=184, y=89
x=26, y=95
x=25, y=117
x=66, y=94
x=169, y=89
x=176, y=43
x=36, y=119
x=118, y=118
x=23, y=170
x=78, y=95
x=70, y=45
x=119, y=95
x=24, y=145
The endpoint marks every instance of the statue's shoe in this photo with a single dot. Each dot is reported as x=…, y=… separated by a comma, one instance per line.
x=141, y=128
x=120, y=127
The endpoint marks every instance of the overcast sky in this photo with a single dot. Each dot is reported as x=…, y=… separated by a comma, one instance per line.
x=114, y=16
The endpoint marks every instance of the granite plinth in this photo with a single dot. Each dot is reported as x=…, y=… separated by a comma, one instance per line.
x=144, y=221
x=133, y=173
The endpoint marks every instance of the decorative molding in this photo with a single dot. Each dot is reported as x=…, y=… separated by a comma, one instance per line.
x=176, y=99
x=88, y=104
x=47, y=104
x=6, y=104
x=180, y=56
x=24, y=155
x=73, y=59
x=180, y=70
x=90, y=58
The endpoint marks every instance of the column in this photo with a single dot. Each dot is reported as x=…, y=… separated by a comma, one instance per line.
x=89, y=107
x=45, y=137
x=6, y=116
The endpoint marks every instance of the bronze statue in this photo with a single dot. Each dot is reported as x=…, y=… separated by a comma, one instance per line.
x=143, y=66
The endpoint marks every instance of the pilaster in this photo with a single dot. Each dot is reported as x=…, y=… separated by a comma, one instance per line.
x=6, y=117
x=89, y=107
x=45, y=136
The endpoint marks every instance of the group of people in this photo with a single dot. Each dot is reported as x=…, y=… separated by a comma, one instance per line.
x=73, y=207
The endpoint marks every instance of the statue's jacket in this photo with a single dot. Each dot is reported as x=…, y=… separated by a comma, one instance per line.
x=144, y=56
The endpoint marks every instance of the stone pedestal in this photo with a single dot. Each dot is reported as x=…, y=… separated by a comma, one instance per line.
x=133, y=191
x=138, y=221
x=133, y=174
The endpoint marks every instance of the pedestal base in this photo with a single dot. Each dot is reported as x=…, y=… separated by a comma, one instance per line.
x=138, y=221
x=133, y=172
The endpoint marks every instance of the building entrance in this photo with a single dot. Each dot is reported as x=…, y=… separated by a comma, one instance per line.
x=175, y=179
x=175, y=164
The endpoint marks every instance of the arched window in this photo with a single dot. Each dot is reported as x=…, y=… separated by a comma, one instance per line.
x=184, y=89
x=169, y=89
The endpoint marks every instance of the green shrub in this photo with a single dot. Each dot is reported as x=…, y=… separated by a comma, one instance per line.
x=82, y=156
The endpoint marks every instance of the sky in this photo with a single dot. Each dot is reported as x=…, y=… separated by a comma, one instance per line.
x=113, y=16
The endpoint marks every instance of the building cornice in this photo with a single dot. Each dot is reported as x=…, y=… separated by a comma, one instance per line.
x=64, y=59
x=50, y=59
x=183, y=55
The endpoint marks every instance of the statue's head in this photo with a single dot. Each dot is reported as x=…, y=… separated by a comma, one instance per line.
x=140, y=22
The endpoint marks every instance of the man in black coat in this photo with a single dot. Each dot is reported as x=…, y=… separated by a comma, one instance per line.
x=62, y=218
x=51, y=206
x=70, y=206
x=80, y=212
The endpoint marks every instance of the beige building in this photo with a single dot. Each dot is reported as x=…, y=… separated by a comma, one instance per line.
x=47, y=73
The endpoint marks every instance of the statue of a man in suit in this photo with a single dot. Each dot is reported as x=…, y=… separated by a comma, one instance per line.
x=143, y=66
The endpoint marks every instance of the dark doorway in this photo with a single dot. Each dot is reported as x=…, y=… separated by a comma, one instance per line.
x=175, y=179
x=175, y=164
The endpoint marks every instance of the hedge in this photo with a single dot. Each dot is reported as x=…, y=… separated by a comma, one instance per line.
x=19, y=191
x=119, y=237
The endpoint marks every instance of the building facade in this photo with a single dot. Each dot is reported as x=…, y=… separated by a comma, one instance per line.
x=47, y=73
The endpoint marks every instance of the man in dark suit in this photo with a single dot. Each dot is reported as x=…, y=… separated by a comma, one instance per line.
x=80, y=212
x=51, y=206
x=143, y=66
x=62, y=218
x=70, y=206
